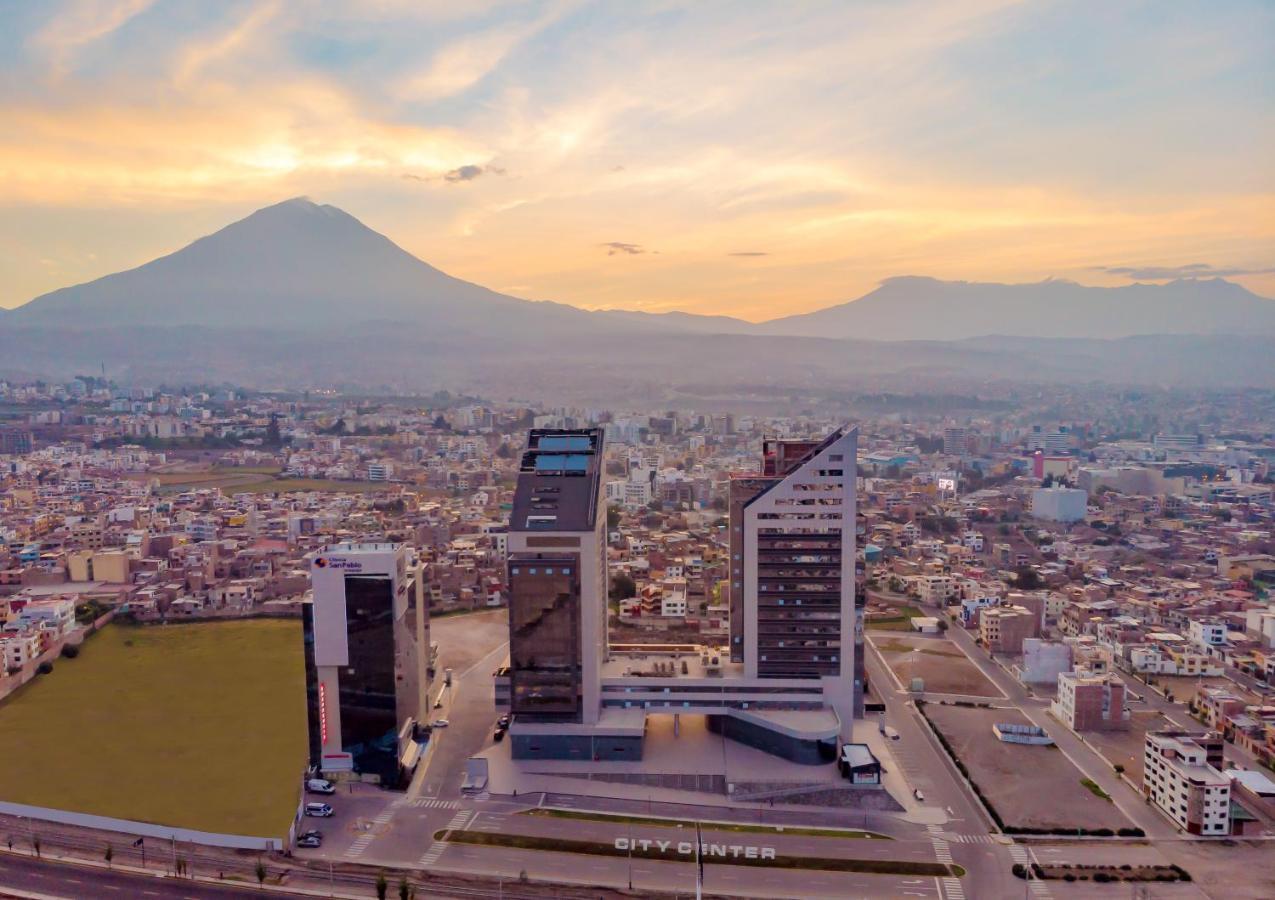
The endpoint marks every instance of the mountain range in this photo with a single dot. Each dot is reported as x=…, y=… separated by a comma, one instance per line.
x=302, y=294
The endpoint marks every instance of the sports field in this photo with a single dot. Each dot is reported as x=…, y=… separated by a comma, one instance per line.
x=195, y=725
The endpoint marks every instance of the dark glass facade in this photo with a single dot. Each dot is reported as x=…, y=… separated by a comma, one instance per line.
x=546, y=681
x=369, y=722
x=798, y=604
x=313, y=714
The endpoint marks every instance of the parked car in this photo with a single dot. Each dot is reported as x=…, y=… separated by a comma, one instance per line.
x=320, y=786
x=499, y=735
x=318, y=810
x=310, y=841
x=441, y=723
x=503, y=721
x=891, y=733
x=918, y=795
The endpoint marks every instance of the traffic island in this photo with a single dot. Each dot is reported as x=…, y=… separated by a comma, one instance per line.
x=710, y=852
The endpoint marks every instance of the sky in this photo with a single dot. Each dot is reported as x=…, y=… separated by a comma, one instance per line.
x=754, y=159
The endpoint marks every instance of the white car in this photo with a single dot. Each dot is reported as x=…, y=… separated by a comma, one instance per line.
x=441, y=723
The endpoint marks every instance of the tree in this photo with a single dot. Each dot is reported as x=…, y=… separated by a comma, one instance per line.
x=261, y=872
x=622, y=586
x=382, y=886
x=404, y=890
x=1026, y=578
x=656, y=505
x=35, y=845
x=613, y=517
x=108, y=855
x=273, y=437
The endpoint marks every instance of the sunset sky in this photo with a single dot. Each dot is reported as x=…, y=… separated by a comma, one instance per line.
x=748, y=158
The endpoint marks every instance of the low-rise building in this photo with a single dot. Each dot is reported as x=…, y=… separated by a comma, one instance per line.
x=1179, y=780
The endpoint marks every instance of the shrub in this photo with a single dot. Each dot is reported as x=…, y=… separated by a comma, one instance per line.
x=70, y=651
x=1019, y=871
x=1069, y=877
x=44, y=668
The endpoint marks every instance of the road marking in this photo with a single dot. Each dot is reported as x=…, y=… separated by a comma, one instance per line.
x=952, y=888
x=429, y=803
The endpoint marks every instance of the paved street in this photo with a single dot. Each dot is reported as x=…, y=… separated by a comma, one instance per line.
x=61, y=880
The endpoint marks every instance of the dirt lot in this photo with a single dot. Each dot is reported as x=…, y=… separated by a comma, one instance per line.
x=1126, y=747
x=1014, y=777
x=465, y=639
x=943, y=666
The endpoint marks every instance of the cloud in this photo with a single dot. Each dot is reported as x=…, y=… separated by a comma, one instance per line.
x=614, y=247
x=458, y=175
x=470, y=172
x=84, y=22
x=749, y=253
x=1191, y=270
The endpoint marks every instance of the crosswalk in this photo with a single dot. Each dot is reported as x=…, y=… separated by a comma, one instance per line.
x=427, y=803
x=1037, y=887
x=969, y=838
x=952, y=889
x=364, y=840
x=459, y=822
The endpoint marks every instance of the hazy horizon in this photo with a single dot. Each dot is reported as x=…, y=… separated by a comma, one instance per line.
x=653, y=158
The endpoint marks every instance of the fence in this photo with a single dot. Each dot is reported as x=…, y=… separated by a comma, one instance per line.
x=142, y=829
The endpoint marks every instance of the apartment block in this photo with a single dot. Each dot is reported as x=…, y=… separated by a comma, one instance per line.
x=1091, y=702
x=1178, y=779
x=1002, y=629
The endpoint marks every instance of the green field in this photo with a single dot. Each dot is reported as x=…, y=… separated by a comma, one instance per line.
x=197, y=725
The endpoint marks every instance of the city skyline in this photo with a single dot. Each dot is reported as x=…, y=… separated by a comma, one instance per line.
x=750, y=164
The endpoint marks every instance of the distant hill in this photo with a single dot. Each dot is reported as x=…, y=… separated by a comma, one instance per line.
x=916, y=308
x=299, y=294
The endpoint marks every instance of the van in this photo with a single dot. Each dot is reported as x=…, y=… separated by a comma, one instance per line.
x=320, y=786
x=318, y=810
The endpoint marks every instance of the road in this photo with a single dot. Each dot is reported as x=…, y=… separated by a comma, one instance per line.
x=56, y=879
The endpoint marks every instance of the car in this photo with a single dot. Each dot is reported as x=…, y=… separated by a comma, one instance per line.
x=918, y=795
x=441, y=723
x=892, y=733
x=318, y=810
x=499, y=735
x=313, y=832
x=320, y=786
x=310, y=840
x=503, y=721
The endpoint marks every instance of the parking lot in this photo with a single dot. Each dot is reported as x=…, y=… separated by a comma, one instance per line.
x=1014, y=777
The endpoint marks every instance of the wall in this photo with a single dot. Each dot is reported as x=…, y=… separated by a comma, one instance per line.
x=143, y=829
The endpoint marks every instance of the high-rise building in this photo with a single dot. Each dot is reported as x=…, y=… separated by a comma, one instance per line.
x=793, y=690
x=779, y=457
x=956, y=441
x=366, y=660
x=15, y=441
x=557, y=580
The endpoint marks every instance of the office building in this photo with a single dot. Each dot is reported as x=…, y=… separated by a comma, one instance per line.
x=1178, y=778
x=1060, y=504
x=956, y=441
x=366, y=635
x=793, y=690
x=557, y=582
x=779, y=458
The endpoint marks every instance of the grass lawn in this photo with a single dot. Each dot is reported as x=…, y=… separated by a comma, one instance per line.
x=196, y=725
